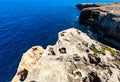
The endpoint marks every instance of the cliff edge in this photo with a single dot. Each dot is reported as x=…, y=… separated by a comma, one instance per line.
x=104, y=19
x=74, y=58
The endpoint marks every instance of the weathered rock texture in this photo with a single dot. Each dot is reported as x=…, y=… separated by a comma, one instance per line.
x=28, y=63
x=74, y=58
x=103, y=18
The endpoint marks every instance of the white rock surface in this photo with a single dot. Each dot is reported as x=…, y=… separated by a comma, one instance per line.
x=74, y=58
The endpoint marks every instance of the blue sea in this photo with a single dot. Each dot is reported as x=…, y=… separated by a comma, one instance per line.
x=27, y=23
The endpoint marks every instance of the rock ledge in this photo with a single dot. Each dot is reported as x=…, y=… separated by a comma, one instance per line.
x=103, y=18
x=74, y=58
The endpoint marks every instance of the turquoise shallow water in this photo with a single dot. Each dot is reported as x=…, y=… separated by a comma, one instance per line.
x=26, y=23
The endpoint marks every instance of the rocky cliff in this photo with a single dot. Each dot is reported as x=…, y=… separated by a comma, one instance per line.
x=103, y=18
x=74, y=58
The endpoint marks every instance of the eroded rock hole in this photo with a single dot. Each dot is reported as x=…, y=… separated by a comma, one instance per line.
x=76, y=57
x=62, y=50
x=93, y=59
x=35, y=49
x=52, y=51
x=93, y=77
x=23, y=74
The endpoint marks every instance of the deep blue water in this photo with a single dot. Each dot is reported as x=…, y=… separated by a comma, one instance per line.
x=26, y=23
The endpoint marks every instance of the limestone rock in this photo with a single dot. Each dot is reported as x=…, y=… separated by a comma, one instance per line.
x=75, y=58
x=104, y=19
x=28, y=63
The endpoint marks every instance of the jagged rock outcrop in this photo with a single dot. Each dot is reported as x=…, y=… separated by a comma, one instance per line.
x=74, y=58
x=86, y=5
x=28, y=63
x=105, y=19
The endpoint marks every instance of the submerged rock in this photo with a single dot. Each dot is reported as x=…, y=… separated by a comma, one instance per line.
x=74, y=58
x=104, y=19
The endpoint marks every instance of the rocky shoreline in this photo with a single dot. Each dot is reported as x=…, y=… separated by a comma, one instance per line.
x=103, y=18
x=75, y=57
